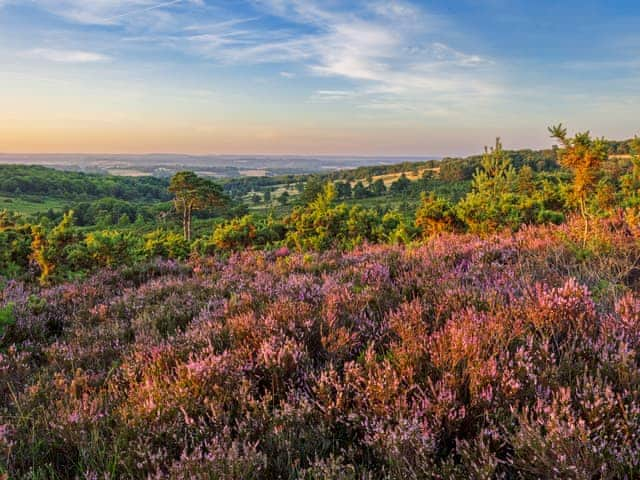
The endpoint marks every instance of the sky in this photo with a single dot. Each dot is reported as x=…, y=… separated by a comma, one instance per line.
x=430, y=77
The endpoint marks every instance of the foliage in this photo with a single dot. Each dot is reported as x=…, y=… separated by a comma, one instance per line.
x=502, y=197
x=284, y=198
x=486, y=355
x=343, y=189
x=107, y=212
x=193, y=193
x=401, y=185
x=493, y=197
x=322, y=224
x=15, y=245
x=510, y=356
x=242, y=233
x=316, y=226
x=111, y=248
x=43, y=181
x=313, y=187
x=360, y=191
x=235, y=234
x=436, y=215
x=166, y=244
x=378, y=187
x=50, y=250
x=630, y=181
x=508, y=190
x=584, y=157
x=7, y=318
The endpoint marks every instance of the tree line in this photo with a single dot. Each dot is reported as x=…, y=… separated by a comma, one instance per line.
x=44, y=181
x=505, y=192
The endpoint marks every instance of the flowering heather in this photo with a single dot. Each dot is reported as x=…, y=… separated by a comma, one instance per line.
x=512, y=356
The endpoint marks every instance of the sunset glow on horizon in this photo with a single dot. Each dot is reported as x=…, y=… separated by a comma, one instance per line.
x=311, y=77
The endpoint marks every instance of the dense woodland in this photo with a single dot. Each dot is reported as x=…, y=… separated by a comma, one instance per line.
x=462, y=318
x=46, y=182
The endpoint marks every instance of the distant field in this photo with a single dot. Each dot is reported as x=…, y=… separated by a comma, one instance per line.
x=254, y=173
x=125, y=172
x=389, y=178
x=383, y=201
x=30, y=206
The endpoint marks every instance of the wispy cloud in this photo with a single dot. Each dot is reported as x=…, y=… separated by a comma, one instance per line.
x=386, y=53
x=386, y=50
x=149, y=8
x=66, y=56
x=321, y=96
x=107, y=12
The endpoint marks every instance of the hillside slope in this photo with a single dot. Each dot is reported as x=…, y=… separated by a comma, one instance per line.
x=461, y=358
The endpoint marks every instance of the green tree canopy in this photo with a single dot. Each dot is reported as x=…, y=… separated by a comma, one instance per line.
x=193, y=193
x=312, y=189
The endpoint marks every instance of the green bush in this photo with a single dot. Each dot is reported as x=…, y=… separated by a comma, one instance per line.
x=109, y=248
x=161, y=243
x=7, y=319
x=235, y=234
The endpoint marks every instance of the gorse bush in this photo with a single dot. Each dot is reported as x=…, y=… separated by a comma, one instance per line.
x=514, y=355
x=165, y=244
x=436, y=215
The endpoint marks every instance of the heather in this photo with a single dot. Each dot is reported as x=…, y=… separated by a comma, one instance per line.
x=512, y=355
x=485, y=333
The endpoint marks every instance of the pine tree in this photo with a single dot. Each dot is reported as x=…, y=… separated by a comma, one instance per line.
x=193, y=193
x=496, y=174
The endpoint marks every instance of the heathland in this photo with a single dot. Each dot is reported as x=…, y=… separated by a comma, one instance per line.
x=460, y=318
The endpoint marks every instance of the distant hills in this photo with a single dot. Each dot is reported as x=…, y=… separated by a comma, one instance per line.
x=164, y=165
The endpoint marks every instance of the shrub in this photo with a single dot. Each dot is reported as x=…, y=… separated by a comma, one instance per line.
x=110, y=248
x=166, y=244
x=235, y=234
x=504, y=356
x=7, y=319
x=436, y=215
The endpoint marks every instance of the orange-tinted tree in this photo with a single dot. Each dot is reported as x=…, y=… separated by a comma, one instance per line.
x=584, y=157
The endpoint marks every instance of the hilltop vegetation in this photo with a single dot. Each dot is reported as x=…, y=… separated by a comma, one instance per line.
x=474, y=318
x=513, y=355
x=484, y=194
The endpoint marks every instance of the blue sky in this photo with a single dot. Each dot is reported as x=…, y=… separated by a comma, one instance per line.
x=313, y=77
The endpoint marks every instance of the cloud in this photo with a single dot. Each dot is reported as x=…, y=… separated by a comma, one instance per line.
x=108, y=12
x=149, y=8
x=389, y=51
x=248, y=46
x=66, y=56
x=321, y=96
x=386, y=53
